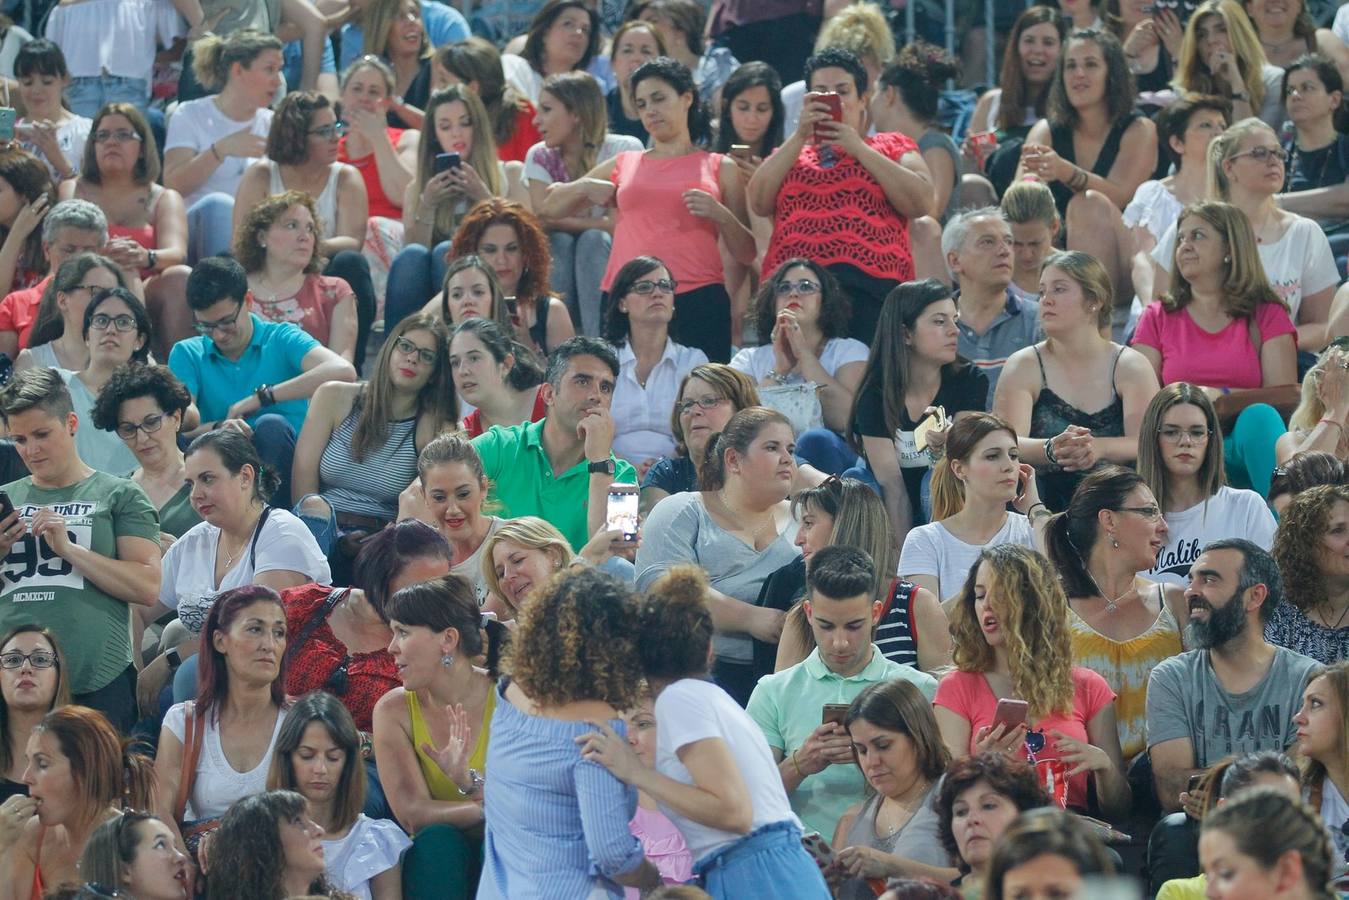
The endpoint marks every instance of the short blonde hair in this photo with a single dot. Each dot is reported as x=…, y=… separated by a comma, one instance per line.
x=532, y=533
x=861, y=28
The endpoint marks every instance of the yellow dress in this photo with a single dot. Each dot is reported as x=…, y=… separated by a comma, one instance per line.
x=440, y=785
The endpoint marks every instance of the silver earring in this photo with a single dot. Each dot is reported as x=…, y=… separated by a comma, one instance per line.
x=448, y=659
x=1114, y=545
x=1227, y=259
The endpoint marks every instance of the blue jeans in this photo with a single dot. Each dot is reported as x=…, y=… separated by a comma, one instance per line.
x=324, y=530
x=826, y=451
x=88, y=94
x=415, y=276
x=274, y=439
x=769, y=862
x=210, y=226
x=921, y=516
x=579, y=261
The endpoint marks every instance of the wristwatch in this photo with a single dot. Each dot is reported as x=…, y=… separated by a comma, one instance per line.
x=604, y=467
x=265, y=395
x=174, y=657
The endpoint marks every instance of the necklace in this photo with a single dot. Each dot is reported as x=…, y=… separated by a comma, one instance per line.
x=1338, y=622
x=771, y=525
x=230, y=557
x=1274, y=48
x=1111, y=605
x=270, y=295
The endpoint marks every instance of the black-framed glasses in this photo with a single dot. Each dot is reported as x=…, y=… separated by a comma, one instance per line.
x=121, y=136
x=40, y=659
x=219, y=324
x=123, y=323
x=1263, y=154
x=649, y=286
x=686, y=406
x=330, y=132
x=1172, y=434
x=150, y=424
x=803, y=287
x=1149, y=513
x=407, y=348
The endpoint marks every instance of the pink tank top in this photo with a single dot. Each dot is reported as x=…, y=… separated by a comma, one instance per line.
x=653, y=221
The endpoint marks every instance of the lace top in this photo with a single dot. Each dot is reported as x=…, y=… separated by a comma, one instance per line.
x=1051, y=414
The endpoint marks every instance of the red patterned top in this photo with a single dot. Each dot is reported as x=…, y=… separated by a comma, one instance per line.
x=841, y=215
x=369, y=675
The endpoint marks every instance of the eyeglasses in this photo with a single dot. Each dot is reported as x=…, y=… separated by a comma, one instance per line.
x=1149, y=513
x=40, y=659
x=686, y=406
x=648, y=286
x=407, y=348
x=226, y=323
x=150, y=424
x=122, y=323
x=121, y=136
x=803, y=287
x=1263, y=154
x=1172, y=434
x=329, y=132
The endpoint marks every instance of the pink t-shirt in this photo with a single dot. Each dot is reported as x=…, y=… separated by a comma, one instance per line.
x=664, y=845
x=968, y=695
x=1226, y=359
x=653, y=221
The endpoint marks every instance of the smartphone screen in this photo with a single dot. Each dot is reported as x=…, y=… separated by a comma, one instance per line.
x=6, y=123
x=621, y=513
x=740, y=151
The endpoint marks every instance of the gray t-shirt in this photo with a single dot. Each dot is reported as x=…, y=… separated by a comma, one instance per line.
x=679, y=530
x=919, y=840
x=1185, y=700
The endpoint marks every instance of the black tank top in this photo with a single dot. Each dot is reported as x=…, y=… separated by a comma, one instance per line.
x=1061, y=136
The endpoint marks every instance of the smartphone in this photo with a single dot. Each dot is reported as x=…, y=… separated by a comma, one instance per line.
x=835, y=104
x=621, y=513
x=819, y=849
x=1010, y=713
x=981, y=144
x=447, y=161
x=6, y=505
x=7, y=116
x=833, y=712
x=937, y=420
x=1195, y=783
x=741, y=151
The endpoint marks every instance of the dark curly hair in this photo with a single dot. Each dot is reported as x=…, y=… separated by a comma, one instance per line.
x=130, y=382
x=1015, y=779
x=533, y=242
x=1297, y=545
x=247, y=858
x=576, y=639
x=288, y=138
x=919, y=72
x=835, y=307
x=676, y=625
x=265, y=213
x=680, y=80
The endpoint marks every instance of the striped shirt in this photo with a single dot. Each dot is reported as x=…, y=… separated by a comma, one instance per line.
x=1016, y=327
x=895, y=635
x=370, y=486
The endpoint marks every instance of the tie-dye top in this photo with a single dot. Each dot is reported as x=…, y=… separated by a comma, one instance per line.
x=1125, y=666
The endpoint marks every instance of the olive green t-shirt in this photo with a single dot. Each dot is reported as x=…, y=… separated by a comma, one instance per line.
x=178, y=515
x=37, y=586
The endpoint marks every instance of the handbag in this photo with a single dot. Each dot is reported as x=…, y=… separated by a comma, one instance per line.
x=799, y=402
x=194, y=731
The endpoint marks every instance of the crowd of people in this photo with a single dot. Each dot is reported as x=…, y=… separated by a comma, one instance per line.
x=669, y=448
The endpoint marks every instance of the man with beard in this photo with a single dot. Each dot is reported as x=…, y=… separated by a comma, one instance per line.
x=1235, y=693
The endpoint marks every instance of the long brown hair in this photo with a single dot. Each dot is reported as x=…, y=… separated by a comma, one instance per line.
x=475, y=59
x=483, y=156
x=375, y=402
x=59, y=699
x=1015, y=91
x=948, y=491
x=1245, y=284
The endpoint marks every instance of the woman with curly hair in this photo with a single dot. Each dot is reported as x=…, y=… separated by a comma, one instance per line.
x=1010, y=626
x=278, y=244
x=1310, y=548
x=268, y=848
x=557, y=824
x=432, y=735
x=715, y=775
x=510, y=239
x=979, y=797
x=1306, y=470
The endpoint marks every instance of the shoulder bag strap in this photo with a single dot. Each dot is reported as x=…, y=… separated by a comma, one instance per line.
x=257, y=534
x=193, y=731
x=320, y=616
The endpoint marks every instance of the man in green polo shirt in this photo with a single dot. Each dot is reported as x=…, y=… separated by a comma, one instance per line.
x=816, y=760
x=560, y=467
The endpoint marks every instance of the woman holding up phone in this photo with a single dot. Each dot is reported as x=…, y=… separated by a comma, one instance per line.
x=1012, y=599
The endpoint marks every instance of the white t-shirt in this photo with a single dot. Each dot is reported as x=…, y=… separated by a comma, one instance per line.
x=188, y=580
x=1230, y=513
x=196, y=125
x=757, y=362
x=1297, y=264
x=932, y=550
x=218, y=784
x=1154, y=207
x=371, y=847
x=692, y=710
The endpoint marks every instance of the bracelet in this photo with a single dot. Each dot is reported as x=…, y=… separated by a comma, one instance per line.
x=1030, y=513
x=797, y=764
x=216, y=154
x=1049, y=452
x=1329, y=421
x=1078, y=181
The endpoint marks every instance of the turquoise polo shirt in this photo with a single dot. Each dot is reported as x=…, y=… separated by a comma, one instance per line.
x=217, y=382
x=788, y=705
x=523, y=483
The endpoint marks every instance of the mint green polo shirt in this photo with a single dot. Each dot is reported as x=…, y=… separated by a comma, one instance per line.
x=787, y=707
x=523, y=483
